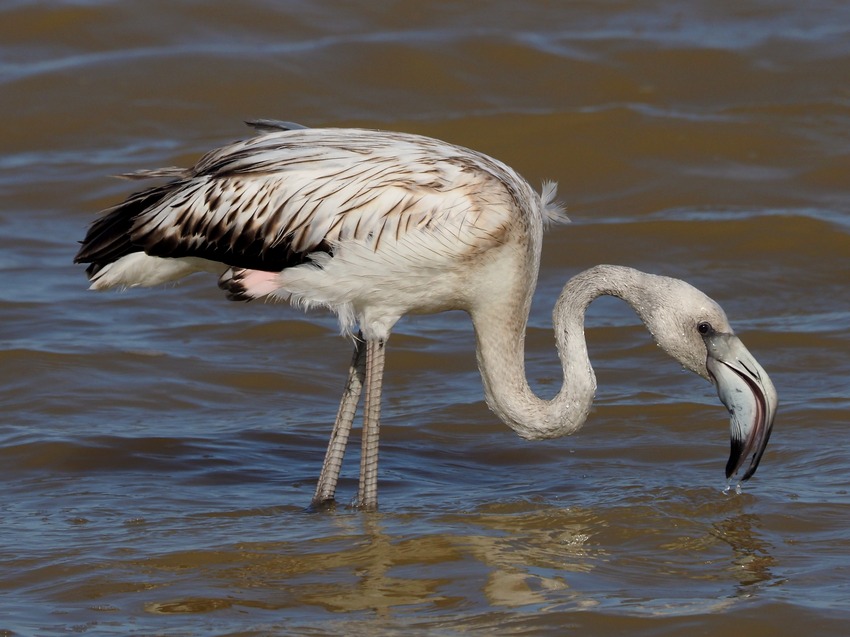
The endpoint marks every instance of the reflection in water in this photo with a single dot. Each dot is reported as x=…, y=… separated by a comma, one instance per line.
x=524, y=556
x=701, y=536
x=529, y=550
x=751, y=561
x=509, y=559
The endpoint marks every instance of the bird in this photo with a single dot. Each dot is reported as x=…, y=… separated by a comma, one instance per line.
x=374, y=225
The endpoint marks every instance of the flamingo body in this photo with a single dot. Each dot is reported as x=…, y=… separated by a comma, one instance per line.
x=370, y=224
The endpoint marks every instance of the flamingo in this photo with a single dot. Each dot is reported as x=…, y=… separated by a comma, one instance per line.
x=373, y=225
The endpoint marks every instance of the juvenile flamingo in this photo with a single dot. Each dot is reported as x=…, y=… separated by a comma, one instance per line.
x=374, y=225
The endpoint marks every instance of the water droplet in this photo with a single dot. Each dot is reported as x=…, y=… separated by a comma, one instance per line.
x=738, y=488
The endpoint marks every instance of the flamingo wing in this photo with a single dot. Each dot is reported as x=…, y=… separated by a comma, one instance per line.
x=274, y=201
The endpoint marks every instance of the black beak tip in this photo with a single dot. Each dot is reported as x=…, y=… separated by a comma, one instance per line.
x=735, y=458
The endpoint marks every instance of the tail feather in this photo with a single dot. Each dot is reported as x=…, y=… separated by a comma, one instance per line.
x=553, y=210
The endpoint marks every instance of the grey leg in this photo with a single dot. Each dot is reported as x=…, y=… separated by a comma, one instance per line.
x=367, y=493
x=326, y=488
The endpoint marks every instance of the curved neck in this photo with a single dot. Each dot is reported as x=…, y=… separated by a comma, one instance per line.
x=500, y=340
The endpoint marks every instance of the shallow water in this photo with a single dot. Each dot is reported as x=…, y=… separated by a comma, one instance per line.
x=158, y=448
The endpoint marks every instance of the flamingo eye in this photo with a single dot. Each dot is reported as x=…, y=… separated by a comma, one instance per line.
x=704, y=328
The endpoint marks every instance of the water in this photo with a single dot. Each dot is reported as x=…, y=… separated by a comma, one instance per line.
x=158, y=447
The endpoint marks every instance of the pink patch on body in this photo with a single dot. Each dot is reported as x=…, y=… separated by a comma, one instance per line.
x=257, y=283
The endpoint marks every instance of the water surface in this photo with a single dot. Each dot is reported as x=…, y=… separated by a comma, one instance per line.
x=158, y=447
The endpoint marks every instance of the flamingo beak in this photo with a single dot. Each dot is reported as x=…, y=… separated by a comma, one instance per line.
x=748, y=393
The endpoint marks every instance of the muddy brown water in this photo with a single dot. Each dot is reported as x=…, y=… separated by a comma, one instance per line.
x=158, y=447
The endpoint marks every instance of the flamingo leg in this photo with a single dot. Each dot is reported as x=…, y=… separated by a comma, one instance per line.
x=367, y=493
x=329, y=476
